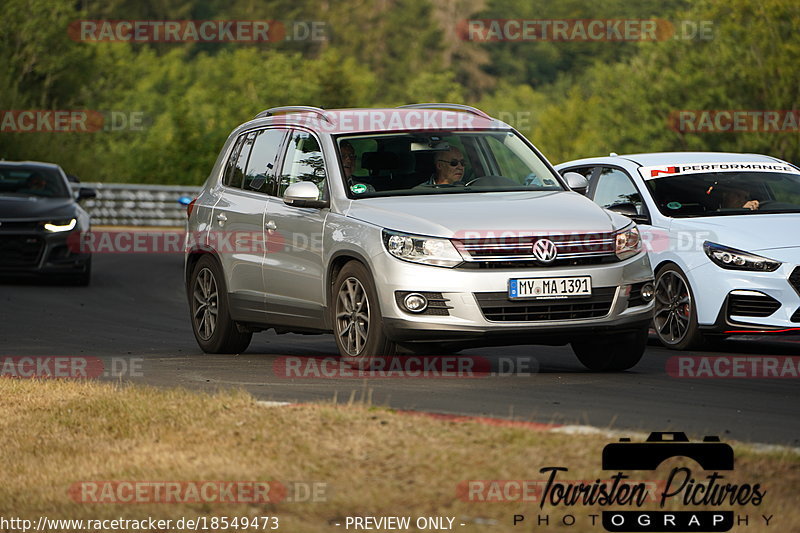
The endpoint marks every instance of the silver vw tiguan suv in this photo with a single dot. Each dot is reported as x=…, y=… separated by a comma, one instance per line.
x=428, y=225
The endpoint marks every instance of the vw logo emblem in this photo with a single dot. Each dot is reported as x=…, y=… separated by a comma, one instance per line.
x=545, y=250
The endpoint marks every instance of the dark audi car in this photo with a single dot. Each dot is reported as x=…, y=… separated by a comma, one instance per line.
x=41, y=223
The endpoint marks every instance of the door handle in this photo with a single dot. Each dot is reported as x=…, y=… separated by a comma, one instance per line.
x=221, y=217
x=270, y=225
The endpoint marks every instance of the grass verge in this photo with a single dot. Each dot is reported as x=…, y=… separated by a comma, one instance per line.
x=365, y=461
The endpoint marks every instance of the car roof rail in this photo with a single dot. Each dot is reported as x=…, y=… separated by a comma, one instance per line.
x=451, y=107
x=294, y=109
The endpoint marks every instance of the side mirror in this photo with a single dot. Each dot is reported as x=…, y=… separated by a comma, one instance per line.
x=629, y=210
x=86, y=192
x=303, y=194
x=576, y=182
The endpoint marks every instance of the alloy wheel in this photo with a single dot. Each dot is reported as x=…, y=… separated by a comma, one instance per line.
x=205, y=303
x=673, y=308
x=352, y=316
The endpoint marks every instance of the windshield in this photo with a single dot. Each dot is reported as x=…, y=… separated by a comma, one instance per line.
x=726, y=193
x=32, y=181
x=441, y=163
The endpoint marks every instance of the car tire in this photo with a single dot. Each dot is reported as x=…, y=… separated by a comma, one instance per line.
x=213, y=327
x=357, y=319
x=82, y=279
x=675, y=314
x=613, y=352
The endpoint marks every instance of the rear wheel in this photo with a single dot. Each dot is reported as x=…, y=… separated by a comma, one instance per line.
x=213, y=327
x=357, y=319
x=613, y=352
x=675, y=316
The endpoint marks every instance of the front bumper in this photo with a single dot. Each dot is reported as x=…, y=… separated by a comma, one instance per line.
x=40, y=252
x=718, y=293
x=466, y=318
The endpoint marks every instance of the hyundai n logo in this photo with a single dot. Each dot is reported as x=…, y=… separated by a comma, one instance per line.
x=545, y=250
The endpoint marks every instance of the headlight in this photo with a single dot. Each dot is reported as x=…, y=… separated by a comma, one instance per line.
x=419, y=249
x=61, y=225
x=733, y=259
x=628, y=242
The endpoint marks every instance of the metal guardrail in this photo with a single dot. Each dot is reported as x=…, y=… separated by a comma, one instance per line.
x=128, y=204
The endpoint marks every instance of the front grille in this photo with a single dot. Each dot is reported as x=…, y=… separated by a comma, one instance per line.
x=497, y=307
x=585, y=248
x=20, y=250
x=635, y=298
x=437, y=304
x=11, y=225
x=755, y=305
x=794, y=279
x=796, y=316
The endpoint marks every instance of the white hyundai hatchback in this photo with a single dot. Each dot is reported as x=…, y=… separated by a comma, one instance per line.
x=723, y=233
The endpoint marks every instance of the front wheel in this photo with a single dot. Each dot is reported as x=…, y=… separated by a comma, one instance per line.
x=213, y=327
x=357, y=319
x=675, y=316
x=613, y=352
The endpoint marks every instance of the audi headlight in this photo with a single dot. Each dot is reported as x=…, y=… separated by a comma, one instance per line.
x=628, y=242
x=61, y=225
x=419, y=249
x=733, y=259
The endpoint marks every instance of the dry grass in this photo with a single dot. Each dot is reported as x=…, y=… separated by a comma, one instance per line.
x=375, y=462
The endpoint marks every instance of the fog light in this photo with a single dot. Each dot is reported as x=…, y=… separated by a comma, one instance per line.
x=648, y=292
x=415, y=302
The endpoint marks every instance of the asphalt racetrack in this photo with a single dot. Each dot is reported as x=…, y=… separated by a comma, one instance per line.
x=135, y=312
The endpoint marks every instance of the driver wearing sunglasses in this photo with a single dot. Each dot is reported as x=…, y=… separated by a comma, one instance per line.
x=448, y=168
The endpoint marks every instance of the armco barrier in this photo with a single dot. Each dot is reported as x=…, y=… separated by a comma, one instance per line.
x=127, y=204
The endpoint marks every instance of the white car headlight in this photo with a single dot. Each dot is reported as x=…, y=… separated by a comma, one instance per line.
x=420, y=249
x=61, y=225
x=733, y=259
x=628, y=242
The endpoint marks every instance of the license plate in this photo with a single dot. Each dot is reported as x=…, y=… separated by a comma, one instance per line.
x=540, y=288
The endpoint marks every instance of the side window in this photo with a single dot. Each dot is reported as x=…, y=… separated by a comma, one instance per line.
x=615, y=187
x=231, y=163
x=260, y=175
x=234, y=171
x=303, y=162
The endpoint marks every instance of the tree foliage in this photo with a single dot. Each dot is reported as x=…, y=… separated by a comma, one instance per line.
x=573, y=99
